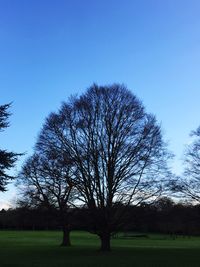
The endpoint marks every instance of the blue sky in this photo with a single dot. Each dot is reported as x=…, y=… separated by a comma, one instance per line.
x=52, y=49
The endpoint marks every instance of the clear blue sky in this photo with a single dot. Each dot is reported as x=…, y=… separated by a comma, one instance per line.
x=52, y=49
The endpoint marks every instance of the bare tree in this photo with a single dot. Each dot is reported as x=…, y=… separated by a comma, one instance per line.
x=117, y=149
x=47, y=181
x=188, y=185
x=7, y=159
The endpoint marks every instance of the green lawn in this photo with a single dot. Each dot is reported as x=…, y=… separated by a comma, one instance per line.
x=41, y=249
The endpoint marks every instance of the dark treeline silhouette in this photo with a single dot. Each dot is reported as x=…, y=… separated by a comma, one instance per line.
x=164, y=216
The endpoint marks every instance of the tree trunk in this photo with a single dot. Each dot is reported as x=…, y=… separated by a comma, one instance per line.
x=105, y=242
x=66, y=237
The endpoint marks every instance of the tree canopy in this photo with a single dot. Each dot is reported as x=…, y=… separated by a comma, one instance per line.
x=116, y=149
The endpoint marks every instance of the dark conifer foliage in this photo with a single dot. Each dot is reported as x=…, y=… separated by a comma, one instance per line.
x=7, y=159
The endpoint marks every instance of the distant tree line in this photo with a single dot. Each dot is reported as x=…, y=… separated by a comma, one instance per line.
x=163, y=216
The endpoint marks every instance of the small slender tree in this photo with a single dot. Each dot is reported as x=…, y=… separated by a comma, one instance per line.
x=117, y=149
x=7, y=159
x=47, y=181
x=188, y=185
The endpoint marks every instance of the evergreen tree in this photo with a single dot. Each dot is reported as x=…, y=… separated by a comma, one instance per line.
x=7, y=159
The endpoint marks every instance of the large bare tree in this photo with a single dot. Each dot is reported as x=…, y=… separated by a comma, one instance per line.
x=117, y=149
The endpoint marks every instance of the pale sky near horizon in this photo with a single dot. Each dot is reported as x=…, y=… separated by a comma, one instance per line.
x=52, y=49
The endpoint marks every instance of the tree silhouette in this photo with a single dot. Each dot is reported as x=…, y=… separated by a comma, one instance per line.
x=117, y=150
x=46, y=181
x=7, y=159
x=189, y=183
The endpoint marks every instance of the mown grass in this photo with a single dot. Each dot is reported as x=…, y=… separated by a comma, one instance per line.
x=41, y=249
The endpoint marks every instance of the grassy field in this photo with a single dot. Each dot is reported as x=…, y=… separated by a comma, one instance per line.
x=41, y=249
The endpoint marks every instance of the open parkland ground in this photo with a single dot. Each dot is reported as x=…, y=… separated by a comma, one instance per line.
x=41, y=249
